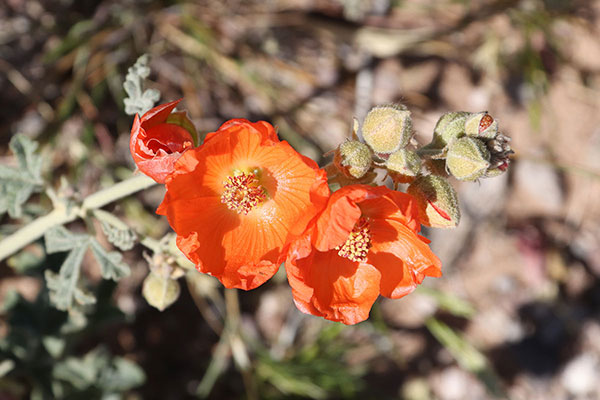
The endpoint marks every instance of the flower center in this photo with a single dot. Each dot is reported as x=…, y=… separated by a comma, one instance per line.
x=242, y=192
x=356, y=247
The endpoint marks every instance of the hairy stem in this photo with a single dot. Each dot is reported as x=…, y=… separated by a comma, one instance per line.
x=62, y=214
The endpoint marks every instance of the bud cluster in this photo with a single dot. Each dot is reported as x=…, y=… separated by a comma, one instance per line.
x=471, y=146
x=465, y=145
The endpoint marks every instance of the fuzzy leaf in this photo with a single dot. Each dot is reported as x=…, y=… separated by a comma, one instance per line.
x=81, y=372
x=111, y=264
x=63, y=286
x=18, y=183
x=124, y=239
x=60, y=239
x=139, y=100
x=120, y=376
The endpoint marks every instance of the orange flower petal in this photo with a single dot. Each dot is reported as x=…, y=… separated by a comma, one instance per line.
x=262, y=128
x=155, y=145
x=401, y=256
x=242, y=251
x=158, y=114
x=329, y=285
x=338, y=218
x=326, y=285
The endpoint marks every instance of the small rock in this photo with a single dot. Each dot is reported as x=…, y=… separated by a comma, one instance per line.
x=538, y=188
x=581, y=374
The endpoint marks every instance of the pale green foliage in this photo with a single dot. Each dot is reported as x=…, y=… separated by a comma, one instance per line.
x=18, y=183
x=63, y=286
x=123, y=239
x=65, y=292
x=97, y=369
x=111, y=263
x=139, y=100
x=41, y=347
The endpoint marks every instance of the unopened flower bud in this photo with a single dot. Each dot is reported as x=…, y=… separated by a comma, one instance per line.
x=387, y=128
x=403, y=165
x=159, y=291
x=353, y=159
x=481, y=125
x=450, y=126
x=468, y=159
x=437, y=201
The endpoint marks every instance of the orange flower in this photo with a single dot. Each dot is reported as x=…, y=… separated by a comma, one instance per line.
x=159, y=138
x=364, y=243
x=237, y=201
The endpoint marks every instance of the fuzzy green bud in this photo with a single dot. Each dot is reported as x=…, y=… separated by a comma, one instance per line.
x=160, y=292
x=387, y=128
x=353, y=159
x=468, y=159
x=481, y=125
x=403, y=165
x=437, y=201
x=449, y=127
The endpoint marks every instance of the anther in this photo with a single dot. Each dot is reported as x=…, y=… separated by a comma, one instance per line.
x=242, y=192
x=357, y=246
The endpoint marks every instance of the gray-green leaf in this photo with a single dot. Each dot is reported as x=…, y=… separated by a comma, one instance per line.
x=18, y=183
x=111, y=264
x=139, y=100
x=124, y=239
x=122, y=375
x=60, y=239
x=63, y=286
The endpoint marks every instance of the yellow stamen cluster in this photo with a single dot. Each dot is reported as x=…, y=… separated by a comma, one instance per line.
x=242, y=192
x=357, y=246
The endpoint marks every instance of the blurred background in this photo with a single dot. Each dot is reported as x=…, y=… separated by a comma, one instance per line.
x=516, y=314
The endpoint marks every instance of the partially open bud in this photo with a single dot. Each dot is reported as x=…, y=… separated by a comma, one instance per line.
x=403, y=165
x=158, y=138
x=450, y=126
x=387, y=128
x=500, y=151
x=437, y=200
x=353, y=159
x=481, y=125
x=160, y=291
x=468, y=159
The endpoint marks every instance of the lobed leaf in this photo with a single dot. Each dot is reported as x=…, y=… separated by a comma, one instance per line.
x=124, y=239
x=17, y=184
x=63, y=286
x=111, y=264
x=139, y=100
x=60, y=239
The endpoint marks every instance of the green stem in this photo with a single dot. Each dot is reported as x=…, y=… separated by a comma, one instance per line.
x=63, y=215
